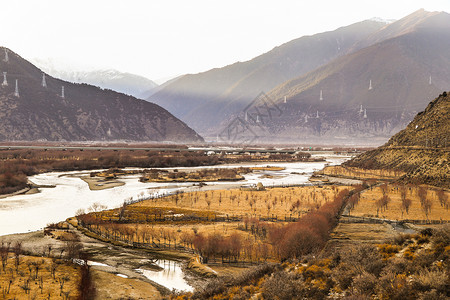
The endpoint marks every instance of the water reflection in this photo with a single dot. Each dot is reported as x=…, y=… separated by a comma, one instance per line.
x=171, y=276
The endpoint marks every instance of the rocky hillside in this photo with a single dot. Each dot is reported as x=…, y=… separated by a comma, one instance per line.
x=81, y=112
x=422, y=149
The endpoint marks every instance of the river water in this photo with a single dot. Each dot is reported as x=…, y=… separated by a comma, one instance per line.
x=24, y=213
x=171, y=276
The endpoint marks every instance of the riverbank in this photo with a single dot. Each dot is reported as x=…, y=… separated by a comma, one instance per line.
x=100, y=183
x=114, y=269
x=31, y=189
x=71, y=194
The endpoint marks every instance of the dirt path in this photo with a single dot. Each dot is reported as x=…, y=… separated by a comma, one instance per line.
x=344, y=181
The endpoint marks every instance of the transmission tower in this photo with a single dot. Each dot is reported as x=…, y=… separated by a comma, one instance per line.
x=5, y=82
x=44, y=83
x=16, y=91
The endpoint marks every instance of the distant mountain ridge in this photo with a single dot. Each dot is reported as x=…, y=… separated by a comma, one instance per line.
x=206, y=99
x=84, y=113
x=371, y=93
x=406, y=62
x=127, y=83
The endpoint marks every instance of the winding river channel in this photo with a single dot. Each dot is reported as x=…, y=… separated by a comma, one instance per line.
x=24, y=213
x=31, y=212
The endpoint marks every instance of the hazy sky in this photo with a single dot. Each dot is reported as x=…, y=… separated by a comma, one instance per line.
x=163, y=38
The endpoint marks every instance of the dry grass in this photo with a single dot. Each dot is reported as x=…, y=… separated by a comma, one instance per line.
x=359, y=173
x=111, y=286
x=367, y=206
x=154, y=222
x=50, y=284
x=281, y=202
x=362, y=232
x=228, y=270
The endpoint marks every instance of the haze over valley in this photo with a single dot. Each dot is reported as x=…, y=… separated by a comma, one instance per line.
x=294, y=150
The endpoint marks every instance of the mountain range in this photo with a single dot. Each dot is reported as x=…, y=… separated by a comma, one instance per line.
x=127, y=83
x=36, y=106
x=216, y=94
x=373, y=76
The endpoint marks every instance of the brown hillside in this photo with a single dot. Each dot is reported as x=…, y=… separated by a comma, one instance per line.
x=204, y=100
x=405, y=72
x=85, y=113
x=422, y=149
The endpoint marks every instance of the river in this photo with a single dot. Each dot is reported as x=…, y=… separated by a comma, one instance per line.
x=24, y=213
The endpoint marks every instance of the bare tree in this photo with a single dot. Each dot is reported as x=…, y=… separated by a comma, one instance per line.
x=384, y=189
x=443, y=198
x=4, y=252
x=422, y=192
x=17, y=249
x=406, y=204
x=427, y=204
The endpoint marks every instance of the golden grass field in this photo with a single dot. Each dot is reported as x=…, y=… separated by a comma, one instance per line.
x=248, y=205
x=43, y=286
x=362, y=232
x=281, y=202
x=358, y=173
x=367, y=206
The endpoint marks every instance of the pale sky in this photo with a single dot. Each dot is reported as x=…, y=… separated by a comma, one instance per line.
x=163, y=38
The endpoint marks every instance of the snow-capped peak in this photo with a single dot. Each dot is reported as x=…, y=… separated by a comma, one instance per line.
x=381, y=20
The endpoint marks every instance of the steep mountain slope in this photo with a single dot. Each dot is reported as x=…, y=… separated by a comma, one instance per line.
x=422, y=149
x=126, y=83
x=389, y=82
x=84, y=113
x=204, y=100
x=405, y=25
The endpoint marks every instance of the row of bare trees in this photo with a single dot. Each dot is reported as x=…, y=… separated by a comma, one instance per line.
x=310, y=232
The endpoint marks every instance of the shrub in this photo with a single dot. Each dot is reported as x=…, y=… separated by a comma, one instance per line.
x=393, y=286
x=363, y=258
x=432, y=295
x=424, y=259
x=401, y=239
x=427, y=280
x=388, y=250
x=365, y=284
x=398, y=265
x=408, y=254
x=283, y=285
x=343, y=275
